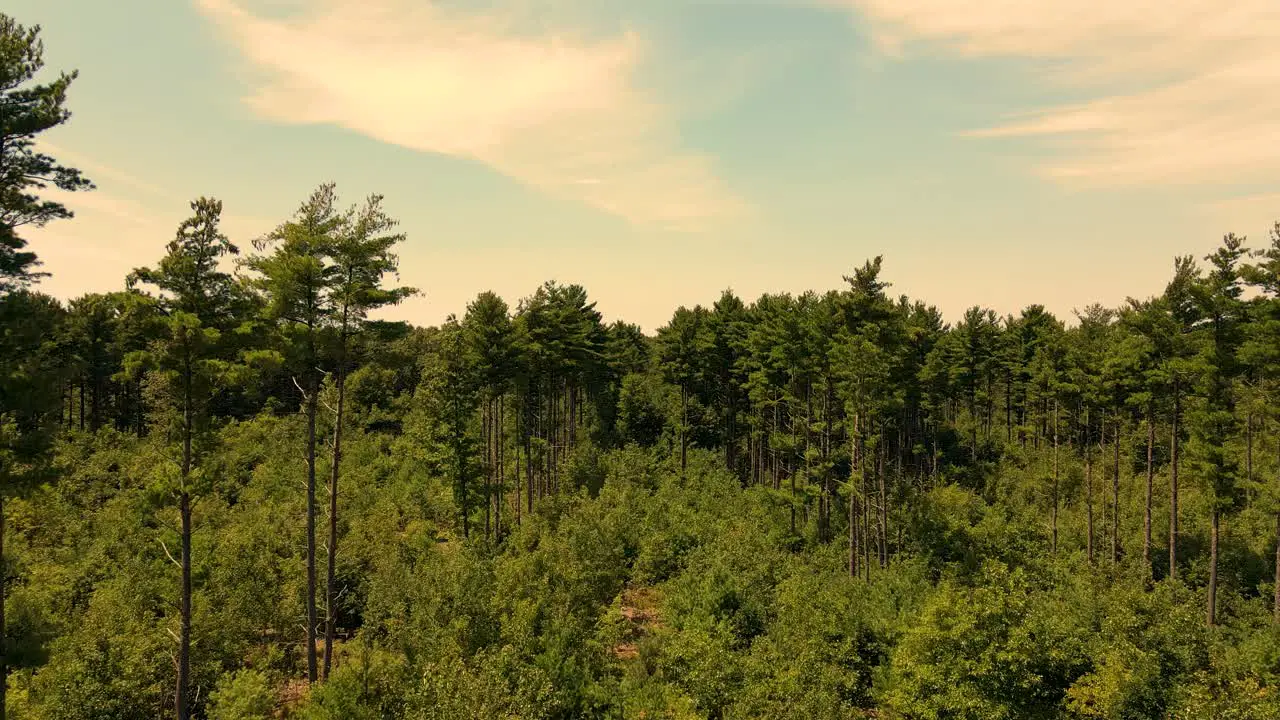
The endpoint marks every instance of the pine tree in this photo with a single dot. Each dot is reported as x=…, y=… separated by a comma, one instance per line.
x=26, y=111
x=195, y=298
x=295, y=271
x=1260, y=351
x=1218, y=299
x=359, y=257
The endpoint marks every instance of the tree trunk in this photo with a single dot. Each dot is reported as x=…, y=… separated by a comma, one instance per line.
x=1276, y=594
x=1211, y=609
x=312, y=399
x=684, y=430
x=1055, y=476
x=1115, y=492
x=1173, y=484
x=330, y=593
x=854, y=463
x=1146, y=519
x=184, y=511
x=883, y=515
x=184, y=640
x=1088, y=473
x=4, y=660
x=486, y=424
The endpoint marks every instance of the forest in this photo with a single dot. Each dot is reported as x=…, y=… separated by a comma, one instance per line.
x=230, y=492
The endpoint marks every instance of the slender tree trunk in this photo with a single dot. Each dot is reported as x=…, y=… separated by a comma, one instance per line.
x=330, y=591
x=1211, y=609
x=460, y=467
x=1088, y=472
x=1055, y=476
x=884, y=502
x=854, y=463
x=1248, y=452
x=500, y=492
x=684, y=431
x=489, y=462
x=4, y=659
x=184, y=641
x=528, y=452
x=184, y=511
x=1115, y=491
x=519, y=498
x=1151, y=470
x=312, y=400
x=1173, y=483
x=1276, y=594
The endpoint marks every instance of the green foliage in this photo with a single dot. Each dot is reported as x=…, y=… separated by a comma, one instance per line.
x=242, y=695
x=29, y=110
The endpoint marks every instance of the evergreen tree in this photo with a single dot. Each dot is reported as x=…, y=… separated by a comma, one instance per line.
x=360, y=256
x=1260, y=352
x=1217, y=297
x=195, y=297
x=26, y=111
x=295, y=270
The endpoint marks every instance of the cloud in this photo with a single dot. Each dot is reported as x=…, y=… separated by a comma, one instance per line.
x=545, y=109
x=1181, y=91
x=1251, y=215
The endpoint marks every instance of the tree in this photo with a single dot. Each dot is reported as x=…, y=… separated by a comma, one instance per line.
x=296, y=276
x=26, y=111
x=1176, y=370
x=195, y=299
x=681, y=346
x=360, y=255
x=1218, y=299
x=490, y=339
x=1260, y=351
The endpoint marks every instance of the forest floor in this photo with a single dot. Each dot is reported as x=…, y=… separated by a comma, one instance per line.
x=640, y=610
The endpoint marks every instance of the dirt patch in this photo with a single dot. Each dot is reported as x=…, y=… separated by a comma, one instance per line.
x=640, y=611
x=289, y=696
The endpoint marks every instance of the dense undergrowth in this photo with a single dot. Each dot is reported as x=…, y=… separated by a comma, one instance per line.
x=974, y=616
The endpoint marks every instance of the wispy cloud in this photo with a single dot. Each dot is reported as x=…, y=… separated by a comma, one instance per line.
x=547, y=109
x=1183, y=91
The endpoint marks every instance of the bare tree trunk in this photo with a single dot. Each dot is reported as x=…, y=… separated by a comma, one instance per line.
x=311, y=400
x=184, y=511
x=1276, y=598
x=883, y=515
x=486, y=421
x=684, y=431
x=1115, y=492
x=1173, y=484
x=500, y=492
x=1088, y=472
x=4, y=659
x=854, y=461
x=184, y=641
x=1151, y=470
x=330, y=602
x=1211, y=609
x=1055, y=476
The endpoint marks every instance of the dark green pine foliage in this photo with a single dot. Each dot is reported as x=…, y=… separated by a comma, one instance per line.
x=26, y=111
x=490, y=343
x=1214, y=423
x=1260, y=354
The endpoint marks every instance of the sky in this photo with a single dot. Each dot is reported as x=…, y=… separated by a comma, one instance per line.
x=996, y=152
